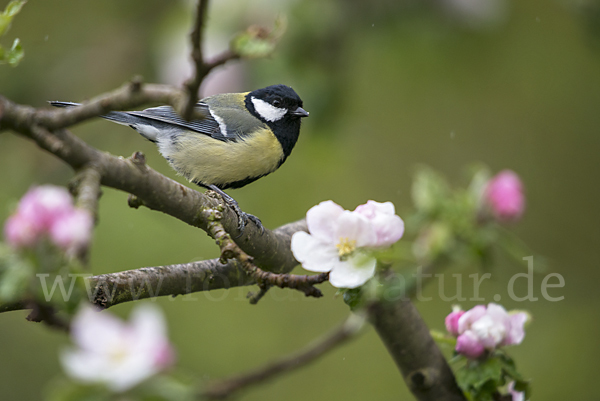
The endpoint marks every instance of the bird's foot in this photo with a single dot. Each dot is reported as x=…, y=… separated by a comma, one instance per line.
x=242, y=216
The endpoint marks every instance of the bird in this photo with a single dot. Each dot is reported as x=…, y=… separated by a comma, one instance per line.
x=242, y=137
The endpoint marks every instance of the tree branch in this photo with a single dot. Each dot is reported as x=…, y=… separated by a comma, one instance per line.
x=339, y=336
x=112, y=289
x=201, y=69
x=416, y=354
x=131, y=94
x=85, y=187
x=264, y=279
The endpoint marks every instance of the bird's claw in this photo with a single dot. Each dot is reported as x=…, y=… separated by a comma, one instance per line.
x=243, y=220
x=242, y=217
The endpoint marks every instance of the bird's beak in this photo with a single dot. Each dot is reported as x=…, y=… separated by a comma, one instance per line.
x=300, y=112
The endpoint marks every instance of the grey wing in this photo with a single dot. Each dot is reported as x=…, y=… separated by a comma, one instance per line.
x=165, y=114
x=236, y=123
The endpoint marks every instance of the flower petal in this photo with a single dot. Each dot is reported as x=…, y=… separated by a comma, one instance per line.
x=516, y=333
x=373, y=208
x=353, y=272
x=96, y=331
x=389, y=229
x=322, y=220
x=451, y=321
x=470, y=316
x=468, y=345
x=490, y=332
x=356, y=227
x=314, y=254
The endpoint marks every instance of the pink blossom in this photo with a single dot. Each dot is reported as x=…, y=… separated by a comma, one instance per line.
x=515, y=332
x=469, y=345
x=388, y=226
x=117, y=354
x=20, y=232
x=44, y=204
x=504, y=194
x=48, y=211
x=491, y=327
x=73, y=230
x=452, y=321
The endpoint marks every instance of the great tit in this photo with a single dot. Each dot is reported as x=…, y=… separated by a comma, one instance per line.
x=242, y=137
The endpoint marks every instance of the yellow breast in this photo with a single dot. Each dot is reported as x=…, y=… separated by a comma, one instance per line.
x=203, y=159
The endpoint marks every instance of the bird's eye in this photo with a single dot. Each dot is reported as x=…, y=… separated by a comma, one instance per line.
x=276, y=102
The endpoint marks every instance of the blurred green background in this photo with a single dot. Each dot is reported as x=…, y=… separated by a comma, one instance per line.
x=389, y=85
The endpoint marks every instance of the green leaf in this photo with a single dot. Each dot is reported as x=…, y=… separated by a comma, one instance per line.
x=481, y=177
x=15, y=274
x=476, y=374
x=353, y=297
x=509, y=367
x=258, y=41
x=429, y=190
x=10, y=11
x=443, y=338
x=14, y=7
x=524, y=387
x=15, y=54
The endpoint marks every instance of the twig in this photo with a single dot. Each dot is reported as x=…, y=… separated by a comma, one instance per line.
x=344, y=332
x=129, y=95
x=47, y=314
x=254, y=297
x=264, y=279
x=85, y=186
x=200, y=68
x=221, y=59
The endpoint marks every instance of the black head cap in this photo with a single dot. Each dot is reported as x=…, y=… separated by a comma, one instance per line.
x=275, y=103
x=280, y=107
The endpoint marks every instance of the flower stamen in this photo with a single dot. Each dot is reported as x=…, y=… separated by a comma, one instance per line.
x=345, y=247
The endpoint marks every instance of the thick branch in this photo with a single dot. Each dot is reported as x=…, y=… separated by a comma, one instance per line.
x=264, y=279
x=416, y=354
x=111, y=289
x=227, y=388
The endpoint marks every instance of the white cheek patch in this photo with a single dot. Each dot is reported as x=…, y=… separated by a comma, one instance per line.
x=268, y=111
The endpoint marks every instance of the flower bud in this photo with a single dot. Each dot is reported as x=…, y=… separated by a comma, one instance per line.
x=504, y=195
x=20, y=232
x=452, y=321
x=388, y=227
x=468, y=345
x=72, y=230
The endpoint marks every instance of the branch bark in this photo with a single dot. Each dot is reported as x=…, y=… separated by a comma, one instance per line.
x=112, y=289
x=200, y=68
x=409, y=342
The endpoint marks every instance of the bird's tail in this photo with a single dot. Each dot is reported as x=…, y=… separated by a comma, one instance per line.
x=120, y=117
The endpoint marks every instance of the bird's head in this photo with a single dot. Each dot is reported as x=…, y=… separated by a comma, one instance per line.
x=276, y=103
